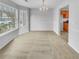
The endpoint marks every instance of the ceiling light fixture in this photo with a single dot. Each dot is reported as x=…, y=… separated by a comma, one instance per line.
x=43, y=7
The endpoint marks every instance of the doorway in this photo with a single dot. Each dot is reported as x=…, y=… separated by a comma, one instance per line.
x=64, y=22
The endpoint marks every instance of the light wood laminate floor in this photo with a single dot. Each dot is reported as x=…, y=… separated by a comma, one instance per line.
x=64, y=36
x=38, y=45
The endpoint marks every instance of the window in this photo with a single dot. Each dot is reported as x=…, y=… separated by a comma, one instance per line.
x=7, y=18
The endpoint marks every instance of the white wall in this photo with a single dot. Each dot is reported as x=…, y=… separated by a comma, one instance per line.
x=56, y=21
x=56, y=16
x=41, y=21
x=74, y=25
x=5, y=38
x=23, y=21
x=73, y=22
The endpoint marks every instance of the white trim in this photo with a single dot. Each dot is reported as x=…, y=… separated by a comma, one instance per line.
x=73, y=48
x=8, y=32
x=9, y=36
x=5, y=43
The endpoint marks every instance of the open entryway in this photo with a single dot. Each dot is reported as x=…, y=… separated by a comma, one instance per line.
x=64, y=22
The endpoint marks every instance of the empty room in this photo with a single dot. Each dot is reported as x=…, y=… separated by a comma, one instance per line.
x=39, y=29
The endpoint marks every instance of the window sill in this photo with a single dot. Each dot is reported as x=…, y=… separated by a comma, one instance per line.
x=5, y=33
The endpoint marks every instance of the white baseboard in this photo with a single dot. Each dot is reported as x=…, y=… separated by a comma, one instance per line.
x=73, y=48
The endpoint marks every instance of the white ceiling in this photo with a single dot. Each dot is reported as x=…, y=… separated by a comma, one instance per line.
x=36, y=3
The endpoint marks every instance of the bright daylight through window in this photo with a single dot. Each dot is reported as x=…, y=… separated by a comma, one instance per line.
x=7, y=18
